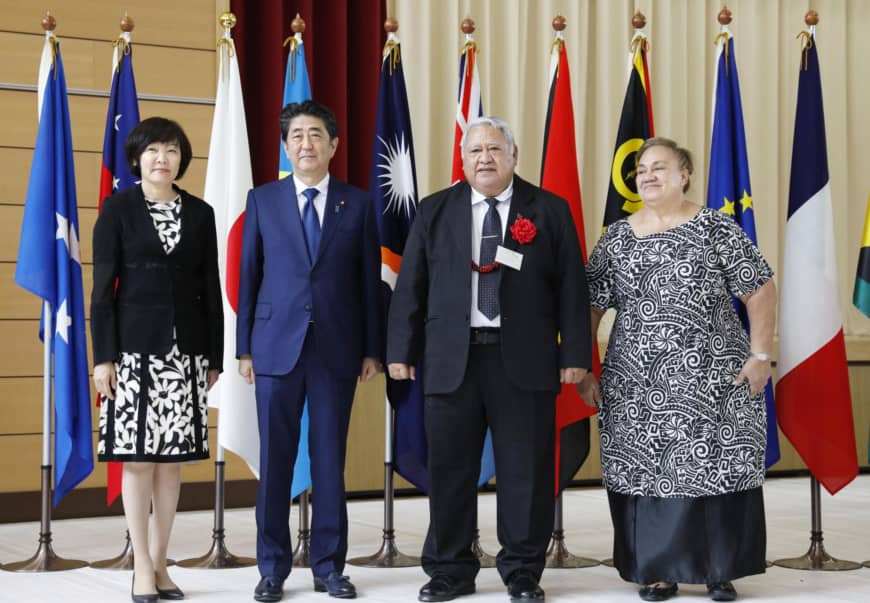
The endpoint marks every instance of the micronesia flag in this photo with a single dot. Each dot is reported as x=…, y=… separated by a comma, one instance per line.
x=296, y=90
x=121, y=117
x=49, y=266
x=729, y=191
x=393, y=184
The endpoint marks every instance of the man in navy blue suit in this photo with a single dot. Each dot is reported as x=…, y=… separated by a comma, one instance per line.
x=309, y=326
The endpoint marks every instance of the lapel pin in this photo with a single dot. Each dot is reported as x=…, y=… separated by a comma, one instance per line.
x=339, y=206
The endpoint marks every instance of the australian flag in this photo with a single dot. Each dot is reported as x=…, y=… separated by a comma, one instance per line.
x=393, y=184
x=49, y=266
x=729, y=191
x=121, y=117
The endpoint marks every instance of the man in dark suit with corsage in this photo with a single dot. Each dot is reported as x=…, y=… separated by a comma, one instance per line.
x=492, y=278
x=309, y=326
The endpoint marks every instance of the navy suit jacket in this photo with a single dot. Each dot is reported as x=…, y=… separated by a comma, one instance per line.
x=545, y=299
x=281, y=291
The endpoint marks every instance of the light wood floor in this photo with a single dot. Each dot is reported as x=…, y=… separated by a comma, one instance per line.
x=846, y=523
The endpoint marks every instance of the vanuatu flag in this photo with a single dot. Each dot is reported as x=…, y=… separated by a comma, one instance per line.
x=861, y=295
x=635, y=126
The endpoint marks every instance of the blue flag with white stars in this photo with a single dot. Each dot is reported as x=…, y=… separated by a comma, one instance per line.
x=729, y=190
x=49, y=266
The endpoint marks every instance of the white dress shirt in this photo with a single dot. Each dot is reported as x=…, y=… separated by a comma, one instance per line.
x=479, y=207
x=319, y=200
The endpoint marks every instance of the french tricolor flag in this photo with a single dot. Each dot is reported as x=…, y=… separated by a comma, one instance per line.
x=813, y=401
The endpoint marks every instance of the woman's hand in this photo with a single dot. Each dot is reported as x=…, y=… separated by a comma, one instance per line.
x=213, y=375
x=590, y=390
x=105, y=380
x=756, y=372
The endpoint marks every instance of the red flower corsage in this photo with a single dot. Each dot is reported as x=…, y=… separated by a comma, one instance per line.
x=523, y=230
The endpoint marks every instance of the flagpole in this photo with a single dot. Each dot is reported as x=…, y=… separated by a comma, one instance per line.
x=124, y=560
x=302, y=552
x=469, y=50
x=45, y=559
x=816, y=558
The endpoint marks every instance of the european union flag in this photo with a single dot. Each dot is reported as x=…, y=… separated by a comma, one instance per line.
x=296, y=90
x=49, y=266
x=121, y=117
x=729, y=190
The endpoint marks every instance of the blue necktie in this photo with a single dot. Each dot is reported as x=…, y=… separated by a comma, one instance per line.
x=487, y=283
x=310, y=223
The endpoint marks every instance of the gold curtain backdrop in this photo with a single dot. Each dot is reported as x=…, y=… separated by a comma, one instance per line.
x=514, y=37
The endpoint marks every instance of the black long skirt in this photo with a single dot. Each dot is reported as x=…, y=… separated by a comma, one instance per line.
x=690, y=540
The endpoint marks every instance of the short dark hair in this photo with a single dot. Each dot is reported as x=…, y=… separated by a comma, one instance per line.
x=683, y=155
x=151, y=130
x=313, y=109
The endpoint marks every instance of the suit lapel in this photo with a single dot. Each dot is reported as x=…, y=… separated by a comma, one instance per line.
x=521, y=204
x=459, y=218
x=288, y=213
x=333, y=211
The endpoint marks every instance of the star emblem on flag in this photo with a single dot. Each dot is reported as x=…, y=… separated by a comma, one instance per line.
x=397, y=175
x=67, y=232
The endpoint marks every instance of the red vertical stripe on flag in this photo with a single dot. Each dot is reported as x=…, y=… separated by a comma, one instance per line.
x=561, y=177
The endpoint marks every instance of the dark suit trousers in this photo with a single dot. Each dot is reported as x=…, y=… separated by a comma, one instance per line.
x=523, y=426
x=280, y=400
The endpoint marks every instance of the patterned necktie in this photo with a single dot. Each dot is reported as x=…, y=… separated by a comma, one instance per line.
x=487, y=283
x=310, y=223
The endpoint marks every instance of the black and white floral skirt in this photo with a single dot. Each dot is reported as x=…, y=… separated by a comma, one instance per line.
x=169, y=423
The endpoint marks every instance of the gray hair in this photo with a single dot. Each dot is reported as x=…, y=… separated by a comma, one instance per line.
x=493, y=122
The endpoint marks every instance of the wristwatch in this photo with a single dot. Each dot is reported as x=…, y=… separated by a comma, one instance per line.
x=763, y=356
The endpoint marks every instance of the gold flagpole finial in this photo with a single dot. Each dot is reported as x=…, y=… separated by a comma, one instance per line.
x=227, y=20
x=724, y=17
x=391, y=47
x=127, y=23
x=48, y=22
x=559, y=25
x=638, y=20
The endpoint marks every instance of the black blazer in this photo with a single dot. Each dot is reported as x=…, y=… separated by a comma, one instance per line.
x=546, y=298
x=155, y=291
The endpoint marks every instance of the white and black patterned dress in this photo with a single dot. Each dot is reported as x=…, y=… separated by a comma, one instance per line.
x=682, y=447
x=172, y=423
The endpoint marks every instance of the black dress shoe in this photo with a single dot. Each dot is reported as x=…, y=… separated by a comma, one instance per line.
x=173, y=593
x=336, y=585
x=269, y=589
x=721, y=591
x=523, y=586
x=657, y=593
x=445, y=588
x=149, y=598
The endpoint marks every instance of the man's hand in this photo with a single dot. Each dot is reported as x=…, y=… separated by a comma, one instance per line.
x=370, y=368
x=400, y=371
x=572, y=375
x=246, y=368
x=590, y=390
x=105, y=380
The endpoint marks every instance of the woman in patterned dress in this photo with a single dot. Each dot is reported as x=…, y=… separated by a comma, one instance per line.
x=157, y=330
x=681, y=404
